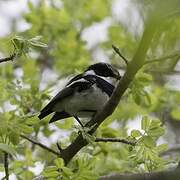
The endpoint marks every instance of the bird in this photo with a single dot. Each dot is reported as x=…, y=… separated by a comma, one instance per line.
x=84, y=95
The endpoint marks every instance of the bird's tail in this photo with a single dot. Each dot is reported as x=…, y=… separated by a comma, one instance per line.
x=44, y=114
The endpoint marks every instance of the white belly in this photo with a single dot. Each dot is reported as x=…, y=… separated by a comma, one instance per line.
x=92, y=99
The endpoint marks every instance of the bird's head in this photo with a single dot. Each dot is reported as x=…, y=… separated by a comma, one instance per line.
x=105, y=71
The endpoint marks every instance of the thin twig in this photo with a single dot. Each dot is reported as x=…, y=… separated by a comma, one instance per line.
x=10, y=58
x=115, y=140
x=61, y=150
x=162, y=58
x=119, y=53
x=41, y=145
x=6, y=166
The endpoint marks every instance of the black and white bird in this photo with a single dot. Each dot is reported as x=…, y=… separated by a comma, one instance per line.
x=84, y=95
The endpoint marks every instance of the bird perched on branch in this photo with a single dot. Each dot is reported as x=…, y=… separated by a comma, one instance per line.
x=84, y=95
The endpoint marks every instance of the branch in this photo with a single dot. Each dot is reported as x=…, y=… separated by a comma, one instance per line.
x=61, y=150
x=132, y=68
x=115, y=140
x=10, y=58
x=6, y=165
x=165, y=175
x=176, y=54
x=119, y=53
x=41, y=145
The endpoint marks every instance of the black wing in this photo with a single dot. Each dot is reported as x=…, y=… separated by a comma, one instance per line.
x=105, y=86
x=48, y=109
x=101, y=83
x=79, y=76
x=67, y=91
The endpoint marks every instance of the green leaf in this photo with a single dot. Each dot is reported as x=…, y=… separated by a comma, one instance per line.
x=144, y=78
x=175, y=113
x=59, y=162
x=51, y=174
x=155, y=124
x=51, y=171
x=51, y=168
x=140, y=152
x=32, y=120
x=25, y=128
x=148, y=141
x=36, y=38
x=135, y=133
x=145, y=123
x=19, y=38
x=22, y=45
x=108, y=131
x=137, y=98
x=7, y=148
x=87, y=174
x=38, y=44
x=14, y=137
x=65, y=124
x=161, y=148
x=67, y=172
x=27, y=175
x=19, y=42
x=156, y=132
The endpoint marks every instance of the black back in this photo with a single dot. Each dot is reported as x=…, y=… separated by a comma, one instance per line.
x=104, y=70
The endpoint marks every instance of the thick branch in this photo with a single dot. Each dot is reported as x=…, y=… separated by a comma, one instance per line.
x=6, y=166
x=41, y=145
x=115, y=140
x=10, y=58
x=132, y=68
x=164, y=175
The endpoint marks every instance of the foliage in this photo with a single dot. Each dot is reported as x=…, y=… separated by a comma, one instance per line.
x=147, y=152
x=26, y=86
